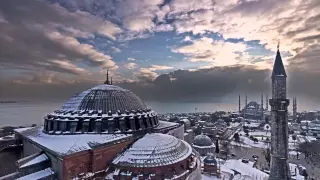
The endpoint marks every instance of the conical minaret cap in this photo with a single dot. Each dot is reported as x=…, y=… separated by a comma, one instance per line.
x=278, y=68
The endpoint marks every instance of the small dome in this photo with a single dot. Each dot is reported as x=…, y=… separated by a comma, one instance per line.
x=220, y=121
x=154, y=150
x=209, y=124
x=202, y=140
x=210, y=159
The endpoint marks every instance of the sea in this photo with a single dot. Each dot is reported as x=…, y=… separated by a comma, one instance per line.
x=27, y=113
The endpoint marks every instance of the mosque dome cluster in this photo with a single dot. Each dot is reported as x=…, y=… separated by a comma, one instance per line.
x=102, y=109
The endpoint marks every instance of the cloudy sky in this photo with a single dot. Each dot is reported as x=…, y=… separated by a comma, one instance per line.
x=160, y=49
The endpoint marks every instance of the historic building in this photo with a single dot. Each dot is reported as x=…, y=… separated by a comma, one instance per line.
x=203, y=144
x=92, y=131
x=279, y=122
x=210, y=164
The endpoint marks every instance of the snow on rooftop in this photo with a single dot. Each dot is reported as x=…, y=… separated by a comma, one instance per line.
x=68, y=144
x=37, y=175
x=154, y=150
x=166, y=124
x=294, y=171
x=245, y=169
x=209, y=177
x=19, y=130
x=35, y=160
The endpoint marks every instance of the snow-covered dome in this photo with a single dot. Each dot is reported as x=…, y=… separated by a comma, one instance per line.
x=185, y=121
x=102, y=109
x=221, y=121
x=203, y=145
x=105, y=98
x=154, y=150
x=210, y=159
x=202, y=140
x=209, y=124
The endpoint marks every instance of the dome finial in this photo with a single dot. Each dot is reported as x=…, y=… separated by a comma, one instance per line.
x=107, y=80
x=111, y=80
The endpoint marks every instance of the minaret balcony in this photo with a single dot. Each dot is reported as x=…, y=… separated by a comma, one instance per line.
x=279, y=103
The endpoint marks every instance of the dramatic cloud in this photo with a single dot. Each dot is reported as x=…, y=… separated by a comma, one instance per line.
x=294, y=23
x=219, y=83
x=97, y=58
x=38, y=36
x=211, y=51
x=145, y=74
x=131, y=59
x=227, y=46
x=159, y=68
x=131, y=65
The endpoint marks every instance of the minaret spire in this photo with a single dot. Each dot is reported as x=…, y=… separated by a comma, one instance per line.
x=278, y=68
x=110, y=80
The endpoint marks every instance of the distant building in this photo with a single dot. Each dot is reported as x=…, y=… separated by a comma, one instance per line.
x=210, y=164
x=252, y=110
x=203, y=145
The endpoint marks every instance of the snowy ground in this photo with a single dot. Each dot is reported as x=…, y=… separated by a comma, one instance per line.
x=263, y=135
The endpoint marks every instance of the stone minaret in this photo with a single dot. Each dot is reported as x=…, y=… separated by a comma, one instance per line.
x=267, y=103
x=261, y=107
x=245, y=107
x=294, y=106
x=279, y=123
x=239, y=104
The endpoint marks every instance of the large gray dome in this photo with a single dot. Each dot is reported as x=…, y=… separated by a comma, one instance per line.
x=105, y=98
x=102, y=109
x=202, y=140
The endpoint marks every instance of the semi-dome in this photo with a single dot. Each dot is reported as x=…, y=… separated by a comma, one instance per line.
x=102, y=109
x=202, y=140
x=154, y=150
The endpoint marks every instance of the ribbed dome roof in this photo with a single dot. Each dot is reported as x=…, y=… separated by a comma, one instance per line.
x=102, y=109
x=154, y=150
x=105, y=98
x=202, y=140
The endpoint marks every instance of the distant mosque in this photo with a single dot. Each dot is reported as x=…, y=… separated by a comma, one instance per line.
x=253, y=110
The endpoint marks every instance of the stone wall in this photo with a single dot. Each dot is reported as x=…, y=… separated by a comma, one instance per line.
x=104, y=155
